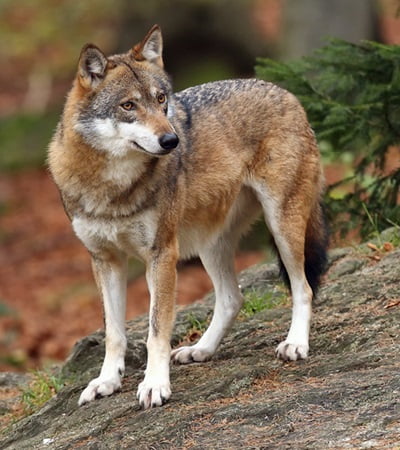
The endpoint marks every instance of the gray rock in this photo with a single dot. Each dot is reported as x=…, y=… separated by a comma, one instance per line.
x=11, y=379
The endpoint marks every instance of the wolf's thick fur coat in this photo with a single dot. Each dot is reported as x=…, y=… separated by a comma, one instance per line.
x=160, y=176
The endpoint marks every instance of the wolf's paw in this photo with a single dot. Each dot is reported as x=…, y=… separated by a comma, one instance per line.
x=152, y=393
x=187, y=355
x=99, y=387
x=291, y=352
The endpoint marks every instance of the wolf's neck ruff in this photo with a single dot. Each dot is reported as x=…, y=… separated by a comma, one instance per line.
x=119, y=190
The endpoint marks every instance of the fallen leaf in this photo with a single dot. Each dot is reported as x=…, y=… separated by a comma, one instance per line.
x=388, y=246
x=373, y=247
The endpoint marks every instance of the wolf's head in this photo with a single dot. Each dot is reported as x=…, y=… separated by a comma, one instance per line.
x=122, y=103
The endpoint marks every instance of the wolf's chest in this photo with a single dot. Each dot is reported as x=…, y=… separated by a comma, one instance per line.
x=132, y=236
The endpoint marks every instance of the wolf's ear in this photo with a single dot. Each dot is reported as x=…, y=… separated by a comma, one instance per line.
x=92, y=66
x=150, y=48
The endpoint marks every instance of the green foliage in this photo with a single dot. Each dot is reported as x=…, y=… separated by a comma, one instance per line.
x=24, y=139
x=17, y=357
x=256, y=301
x=43, y=386
x=392, y=235
x=351, y=93
x=197, y=325
x=5, y=310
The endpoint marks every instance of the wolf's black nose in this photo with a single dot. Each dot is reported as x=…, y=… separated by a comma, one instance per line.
x=168, y=141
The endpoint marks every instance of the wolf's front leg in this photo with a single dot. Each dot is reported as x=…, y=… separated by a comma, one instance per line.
x=155, y=389
x=111, y=279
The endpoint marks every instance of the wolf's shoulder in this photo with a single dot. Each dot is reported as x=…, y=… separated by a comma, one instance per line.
x=207, y=94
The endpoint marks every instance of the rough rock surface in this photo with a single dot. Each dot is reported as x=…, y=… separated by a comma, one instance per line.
x=346, y=395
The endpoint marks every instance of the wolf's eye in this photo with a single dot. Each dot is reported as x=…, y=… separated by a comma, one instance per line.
x=128, y=106
x=161, y=98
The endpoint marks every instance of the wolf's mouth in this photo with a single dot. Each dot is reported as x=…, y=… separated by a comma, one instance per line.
x=139, y=146
x=161, y=153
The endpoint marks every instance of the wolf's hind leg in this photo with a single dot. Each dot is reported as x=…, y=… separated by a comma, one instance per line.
x=111, y=279
x=218, y=261
x=302, y=243
x=288, y=229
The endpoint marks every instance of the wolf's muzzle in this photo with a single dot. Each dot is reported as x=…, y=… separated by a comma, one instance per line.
x=168, y=141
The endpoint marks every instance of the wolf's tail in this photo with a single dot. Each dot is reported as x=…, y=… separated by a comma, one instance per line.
x=315, y=249
x=316, y=245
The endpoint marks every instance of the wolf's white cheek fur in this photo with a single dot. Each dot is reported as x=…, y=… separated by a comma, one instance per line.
x=105, y=128
x=140, y=134
x=108, y=138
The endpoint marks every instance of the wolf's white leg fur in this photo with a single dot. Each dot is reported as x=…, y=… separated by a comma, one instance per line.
x=295, y=346
x=111, y=278
x=155, y=389
x=218, y=262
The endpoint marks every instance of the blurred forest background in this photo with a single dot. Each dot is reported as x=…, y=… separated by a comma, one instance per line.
x=47, y=295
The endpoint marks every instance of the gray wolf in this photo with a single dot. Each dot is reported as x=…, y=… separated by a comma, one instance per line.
x=159, y=176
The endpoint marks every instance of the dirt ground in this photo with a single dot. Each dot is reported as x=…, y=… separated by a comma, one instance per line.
x=48, y=299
